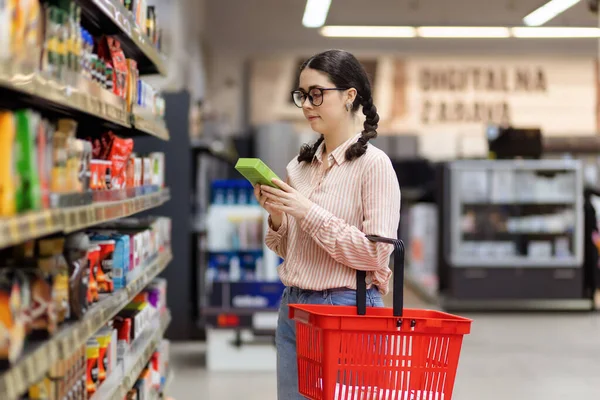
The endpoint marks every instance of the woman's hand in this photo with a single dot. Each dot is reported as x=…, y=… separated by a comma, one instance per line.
x=276, y=215
x=287, y=199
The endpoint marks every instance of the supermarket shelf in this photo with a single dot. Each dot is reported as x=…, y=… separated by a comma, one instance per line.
x=122, y=380
x=146, y=123
x=111, y=17
x=18, y=229
x=216, y=148
x=34, y=365
x=85, y=97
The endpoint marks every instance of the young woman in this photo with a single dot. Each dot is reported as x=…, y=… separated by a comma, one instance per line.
x=338, y=190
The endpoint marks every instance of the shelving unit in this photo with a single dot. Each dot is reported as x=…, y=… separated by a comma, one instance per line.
x=146, y=123
x=33, y=365
x=25, y=85
x=498, y=201
x=119, y=383
x=111, y=17
x=85, y=99
x=20, y=228
x=513, y=234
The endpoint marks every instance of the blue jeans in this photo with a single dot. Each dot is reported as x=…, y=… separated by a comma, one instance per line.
x=285, y=337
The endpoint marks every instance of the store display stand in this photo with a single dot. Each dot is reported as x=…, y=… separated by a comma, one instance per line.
x=32, y=89
x=513, y=235
x=237, y=312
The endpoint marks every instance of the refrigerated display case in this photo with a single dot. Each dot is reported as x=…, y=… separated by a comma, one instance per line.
x=514, y=234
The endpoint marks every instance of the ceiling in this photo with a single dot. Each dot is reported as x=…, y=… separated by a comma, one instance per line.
x=274, y=26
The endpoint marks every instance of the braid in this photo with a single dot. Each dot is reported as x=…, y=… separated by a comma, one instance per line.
x=370, y=129
x=307, y=152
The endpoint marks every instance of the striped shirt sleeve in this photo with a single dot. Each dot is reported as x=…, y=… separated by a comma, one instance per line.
x=276, y=240
x=347, y=244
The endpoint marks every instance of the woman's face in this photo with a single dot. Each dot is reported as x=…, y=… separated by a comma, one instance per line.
x=327, y=116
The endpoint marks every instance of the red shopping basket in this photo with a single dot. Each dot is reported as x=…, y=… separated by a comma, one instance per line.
x=377, y=353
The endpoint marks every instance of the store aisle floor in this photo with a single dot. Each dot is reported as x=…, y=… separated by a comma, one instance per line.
x=551, y=356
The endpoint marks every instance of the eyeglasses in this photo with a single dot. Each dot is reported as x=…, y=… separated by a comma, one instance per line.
x=315, y=96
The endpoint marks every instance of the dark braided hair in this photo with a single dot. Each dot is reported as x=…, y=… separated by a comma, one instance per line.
x=345, y=71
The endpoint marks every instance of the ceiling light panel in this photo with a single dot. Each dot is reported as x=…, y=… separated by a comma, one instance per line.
x=369, y=31
x=555, y=32
x=315, y=13
x=463, y=32
x=548, y=11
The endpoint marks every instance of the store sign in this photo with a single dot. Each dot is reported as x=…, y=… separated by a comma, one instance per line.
x=465, y=84
x=461, y=95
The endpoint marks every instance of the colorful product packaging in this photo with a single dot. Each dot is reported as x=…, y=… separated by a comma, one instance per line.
x=13, y=330
x=93, y=267
x=60, y=156
x=76, y=254
x=123, y=327
x=97, y=181
x=104, y=337
x=130, y=172
x=43, y=314
x=92, y=355
x=120, y=260
x=146, y=171
x=132, y=80
x=44, y=160
x=110, y=49
x=28, y=188
x=138, y=172
x=41, y=390
x=158, y=169
x=105, y=265
x=53, y=264
x=8, y=205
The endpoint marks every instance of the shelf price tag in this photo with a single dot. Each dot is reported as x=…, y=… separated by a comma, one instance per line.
x=4, y=233
x=44, y=222
x=14, y=233
x=98, y=321
x=83, y=217
x=9, y=385
x=57, y=219
x=20, y=382
x=53, y=352
x=72, y=220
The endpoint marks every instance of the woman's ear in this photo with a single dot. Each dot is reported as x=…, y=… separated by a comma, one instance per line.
x=351, y=95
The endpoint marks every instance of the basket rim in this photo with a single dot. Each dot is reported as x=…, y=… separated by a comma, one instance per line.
x=312, y=309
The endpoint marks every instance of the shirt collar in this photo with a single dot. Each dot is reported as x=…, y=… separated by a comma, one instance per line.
x=339, y=154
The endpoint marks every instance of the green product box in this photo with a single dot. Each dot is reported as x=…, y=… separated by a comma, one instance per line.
x=256, y=171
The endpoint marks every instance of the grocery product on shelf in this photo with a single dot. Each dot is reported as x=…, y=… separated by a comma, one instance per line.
x=92, y=354
x=55, y=342
x=53, y=264
x=27, y=195
x=104, y=338
x=14, y=304
x=66, y=378
x=105, y=265
x=49, y=167
x=76, y=254
x=110, y=51
x=7, y=177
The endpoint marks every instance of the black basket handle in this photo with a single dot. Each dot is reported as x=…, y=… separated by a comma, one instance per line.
x=398, y=285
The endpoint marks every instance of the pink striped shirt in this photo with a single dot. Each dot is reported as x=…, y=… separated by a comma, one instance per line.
x=351, y=199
